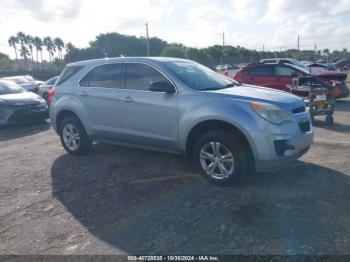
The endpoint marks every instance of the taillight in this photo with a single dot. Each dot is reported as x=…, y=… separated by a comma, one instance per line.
x=51, y=95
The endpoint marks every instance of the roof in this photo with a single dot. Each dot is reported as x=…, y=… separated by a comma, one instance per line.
x=127, y=59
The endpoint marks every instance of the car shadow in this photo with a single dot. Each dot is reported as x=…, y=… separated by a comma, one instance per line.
x=18, y=131
x=335, y=126
x=151, y=203
x=342, y=105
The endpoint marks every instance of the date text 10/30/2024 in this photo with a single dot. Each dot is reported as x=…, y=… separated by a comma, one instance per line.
x=173, y=258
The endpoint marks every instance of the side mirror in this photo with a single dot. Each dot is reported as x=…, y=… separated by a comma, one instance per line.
x=162, y=86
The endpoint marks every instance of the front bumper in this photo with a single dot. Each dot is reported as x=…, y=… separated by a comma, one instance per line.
x=268, y=157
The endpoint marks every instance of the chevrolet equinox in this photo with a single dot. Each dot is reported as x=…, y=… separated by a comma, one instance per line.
x=179, y=106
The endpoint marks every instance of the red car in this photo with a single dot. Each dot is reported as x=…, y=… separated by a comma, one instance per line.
x=280, y=75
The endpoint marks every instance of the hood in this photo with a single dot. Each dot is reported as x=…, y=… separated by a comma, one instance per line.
x=262, y=94
x=24, y=98
x=332, y=75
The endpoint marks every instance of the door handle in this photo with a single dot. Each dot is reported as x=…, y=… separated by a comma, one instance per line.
x=82, y=93
x=128, y=99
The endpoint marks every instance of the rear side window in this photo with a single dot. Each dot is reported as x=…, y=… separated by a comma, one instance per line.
x=67, y=73
x=260, y=71
x=108, y=76
x=139, y=76
x=283, y=71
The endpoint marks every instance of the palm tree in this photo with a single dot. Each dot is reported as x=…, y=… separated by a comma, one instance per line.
x=50, y=47
x=38, y=43
x=12, y=42
x=22, y=40
x=69, y=47
x=30, y=41
x=59, y=44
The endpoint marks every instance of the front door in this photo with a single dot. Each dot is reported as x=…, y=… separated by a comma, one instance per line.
x=148, y=118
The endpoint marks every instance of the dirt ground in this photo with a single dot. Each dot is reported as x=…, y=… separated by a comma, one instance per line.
x=125, y=201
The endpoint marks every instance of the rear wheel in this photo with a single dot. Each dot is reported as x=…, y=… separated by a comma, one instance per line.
x=220, y=157
x=73, y=136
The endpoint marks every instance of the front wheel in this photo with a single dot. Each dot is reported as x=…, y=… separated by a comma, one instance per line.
x=73, y=136
x=220, y=157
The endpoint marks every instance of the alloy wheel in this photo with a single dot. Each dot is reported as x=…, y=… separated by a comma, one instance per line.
x=216, y=160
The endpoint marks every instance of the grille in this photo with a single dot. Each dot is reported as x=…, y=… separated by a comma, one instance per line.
x=299, y=110
x=304, y=126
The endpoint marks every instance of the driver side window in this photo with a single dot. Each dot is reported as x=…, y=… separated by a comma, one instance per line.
x=140, y=76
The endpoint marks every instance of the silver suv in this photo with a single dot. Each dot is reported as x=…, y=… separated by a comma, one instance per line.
x=179, y=106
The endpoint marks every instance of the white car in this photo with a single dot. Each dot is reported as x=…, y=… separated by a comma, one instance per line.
x=46, y=86
x=23, y=81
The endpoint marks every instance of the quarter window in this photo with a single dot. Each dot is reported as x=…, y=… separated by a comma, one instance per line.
x=140, y=76
x=108, y=76
x=67, y=73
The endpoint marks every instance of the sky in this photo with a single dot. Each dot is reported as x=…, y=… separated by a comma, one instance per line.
x=199, y=23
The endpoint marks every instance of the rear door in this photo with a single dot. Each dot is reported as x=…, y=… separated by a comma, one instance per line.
x=148, y=118
x=99, y=93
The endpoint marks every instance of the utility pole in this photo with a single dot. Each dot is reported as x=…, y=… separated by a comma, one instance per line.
x=315, y=50
x=298, y=43
x=263, y=50
x=147, y=38
x=223, y=45
x=298, y=47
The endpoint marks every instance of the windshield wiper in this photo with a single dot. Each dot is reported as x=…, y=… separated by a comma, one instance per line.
x=221, y=87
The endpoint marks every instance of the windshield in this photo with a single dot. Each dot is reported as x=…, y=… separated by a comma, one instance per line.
x=10, y=88
x=198, y=76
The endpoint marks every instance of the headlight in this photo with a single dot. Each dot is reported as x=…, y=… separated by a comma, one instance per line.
x=271, y=113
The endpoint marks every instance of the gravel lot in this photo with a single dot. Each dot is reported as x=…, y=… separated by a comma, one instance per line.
x=125, y=201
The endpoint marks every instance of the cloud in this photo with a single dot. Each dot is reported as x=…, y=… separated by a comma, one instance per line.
x=248, y=9
x=49, y=10
x=200, y=23
x=280, y=10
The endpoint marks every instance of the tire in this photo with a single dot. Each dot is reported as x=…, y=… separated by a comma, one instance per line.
x=82, y=144
x=329, y=120
x=228, y=147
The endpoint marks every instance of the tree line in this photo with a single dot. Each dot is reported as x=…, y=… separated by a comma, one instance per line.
x=114, y=44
